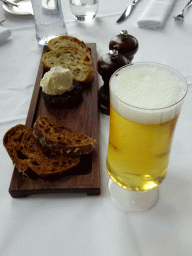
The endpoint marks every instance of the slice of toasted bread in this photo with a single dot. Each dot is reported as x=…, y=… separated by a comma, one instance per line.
x=70, y=57
x=59, y=42
x=61, y=139
x=30, y=157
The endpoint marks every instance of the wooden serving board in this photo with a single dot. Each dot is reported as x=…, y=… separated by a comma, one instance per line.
x=85, y=178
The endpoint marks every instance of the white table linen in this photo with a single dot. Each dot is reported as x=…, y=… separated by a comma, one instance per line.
x=72, y=224
x=155, y=14
x=4, y=33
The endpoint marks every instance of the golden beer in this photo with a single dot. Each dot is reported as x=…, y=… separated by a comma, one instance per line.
x=141, y=134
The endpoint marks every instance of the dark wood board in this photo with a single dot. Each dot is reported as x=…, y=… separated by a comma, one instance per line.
x=85, y=178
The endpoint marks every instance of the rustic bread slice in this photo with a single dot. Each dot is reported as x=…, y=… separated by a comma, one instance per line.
x=70, y=57
x=30, y=157
x=61, y=139
x=59, y=42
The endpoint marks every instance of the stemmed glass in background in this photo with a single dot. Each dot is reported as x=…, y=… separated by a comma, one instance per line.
x=84, y=10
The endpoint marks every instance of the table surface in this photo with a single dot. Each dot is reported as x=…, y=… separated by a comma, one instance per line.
x=77, y=224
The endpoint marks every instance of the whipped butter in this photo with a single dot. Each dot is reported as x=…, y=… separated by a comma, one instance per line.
x=57, y=81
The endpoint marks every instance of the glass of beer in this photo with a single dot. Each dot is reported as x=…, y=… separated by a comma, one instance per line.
x=145, y=103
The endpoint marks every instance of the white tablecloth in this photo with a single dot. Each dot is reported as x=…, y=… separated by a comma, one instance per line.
x=70, y=224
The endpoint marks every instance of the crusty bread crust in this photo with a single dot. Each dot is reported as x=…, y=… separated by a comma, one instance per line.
x=61, y=139
x=59, y=42
x=72, y=58
x=30, y=157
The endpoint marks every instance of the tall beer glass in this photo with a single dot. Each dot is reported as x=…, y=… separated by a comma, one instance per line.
x=145, y=103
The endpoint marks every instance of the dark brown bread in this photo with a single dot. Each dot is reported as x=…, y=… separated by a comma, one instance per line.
x=61, y=139
x=30, y=157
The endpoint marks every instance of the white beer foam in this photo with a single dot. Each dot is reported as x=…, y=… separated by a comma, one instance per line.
x=150, y=92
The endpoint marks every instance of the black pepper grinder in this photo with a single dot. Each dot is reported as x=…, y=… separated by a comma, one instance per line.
x=107, y=65
x=124, y=44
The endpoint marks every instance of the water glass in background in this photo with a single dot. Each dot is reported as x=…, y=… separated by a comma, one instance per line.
x=49, y=21
x=84, y=10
